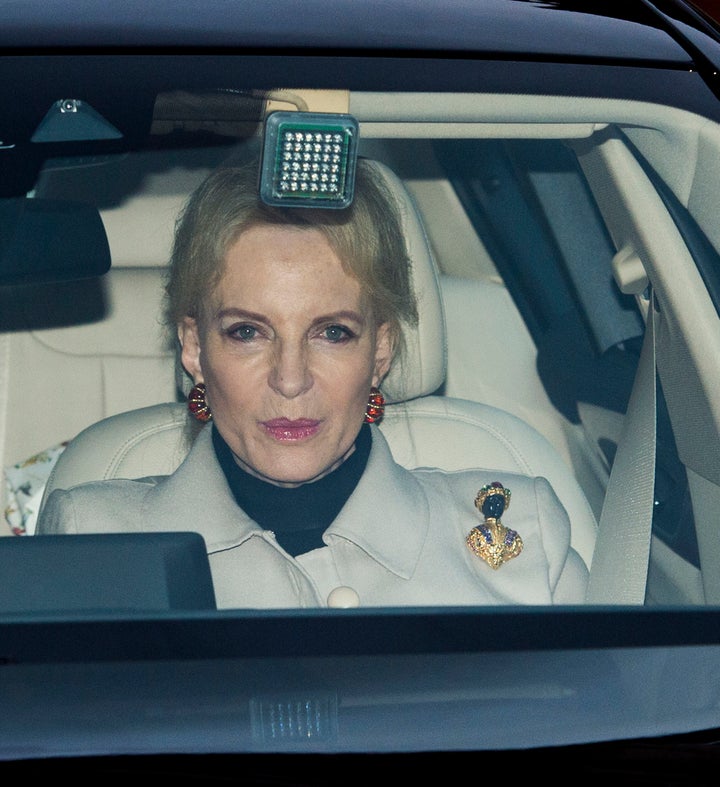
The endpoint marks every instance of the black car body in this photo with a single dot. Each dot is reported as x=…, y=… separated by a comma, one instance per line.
x=579, y=140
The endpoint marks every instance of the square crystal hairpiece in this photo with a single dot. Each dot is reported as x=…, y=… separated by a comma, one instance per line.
x=309, y=160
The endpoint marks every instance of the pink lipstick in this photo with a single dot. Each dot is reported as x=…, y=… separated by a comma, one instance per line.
x=284, y=429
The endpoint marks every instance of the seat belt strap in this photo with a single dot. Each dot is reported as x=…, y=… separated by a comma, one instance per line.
x=4, y=405
x=618, y=574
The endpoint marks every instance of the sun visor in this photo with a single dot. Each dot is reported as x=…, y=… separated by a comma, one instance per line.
x=50, y=240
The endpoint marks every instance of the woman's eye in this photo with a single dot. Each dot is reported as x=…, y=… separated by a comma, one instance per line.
x=336, y=333
x=244, y=333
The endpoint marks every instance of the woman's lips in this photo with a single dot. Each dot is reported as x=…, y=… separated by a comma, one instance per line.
x=285, y=430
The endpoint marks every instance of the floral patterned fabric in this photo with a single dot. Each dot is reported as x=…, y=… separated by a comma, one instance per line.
x=25, y=483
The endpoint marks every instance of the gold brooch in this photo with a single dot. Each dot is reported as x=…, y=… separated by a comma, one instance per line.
x=492, y=541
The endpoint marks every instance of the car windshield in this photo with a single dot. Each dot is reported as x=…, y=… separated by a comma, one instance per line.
x=522, y=523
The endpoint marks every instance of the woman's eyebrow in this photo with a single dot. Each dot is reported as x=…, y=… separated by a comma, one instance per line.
x=246, y=314
x=343, y=314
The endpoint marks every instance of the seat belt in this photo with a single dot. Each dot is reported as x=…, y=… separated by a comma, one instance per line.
x=618, y=574
x=4, y=406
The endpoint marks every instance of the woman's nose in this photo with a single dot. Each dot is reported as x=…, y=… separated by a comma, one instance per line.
x=290, y=373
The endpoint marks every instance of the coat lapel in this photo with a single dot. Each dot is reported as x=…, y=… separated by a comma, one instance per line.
x=387, y=515
x=197, y=497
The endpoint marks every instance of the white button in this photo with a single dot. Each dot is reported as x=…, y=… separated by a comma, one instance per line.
x=343, y=598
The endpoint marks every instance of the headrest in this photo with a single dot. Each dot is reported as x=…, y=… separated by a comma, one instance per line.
x=422, y=371
x=140, y=230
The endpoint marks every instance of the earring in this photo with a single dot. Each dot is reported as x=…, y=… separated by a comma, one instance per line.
x=197, y=405
x=375, y=406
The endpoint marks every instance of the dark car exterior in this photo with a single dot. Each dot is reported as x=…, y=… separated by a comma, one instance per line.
x=602, y=689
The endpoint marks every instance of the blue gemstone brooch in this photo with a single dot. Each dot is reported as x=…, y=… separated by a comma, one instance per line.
x=492, y=541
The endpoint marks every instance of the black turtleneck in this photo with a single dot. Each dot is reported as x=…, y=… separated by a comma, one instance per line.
x=297, y=515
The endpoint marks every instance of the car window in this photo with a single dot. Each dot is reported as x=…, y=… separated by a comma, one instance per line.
x=544, y=265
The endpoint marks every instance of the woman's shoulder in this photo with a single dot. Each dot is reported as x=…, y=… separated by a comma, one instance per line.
x=473, y=480
x=110, y=488
x=94, y=506
x=530, y=501
x=533, y=517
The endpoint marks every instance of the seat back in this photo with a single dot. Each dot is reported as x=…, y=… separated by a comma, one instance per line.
x=432, y=431
x=74, y=352
x=423, y=429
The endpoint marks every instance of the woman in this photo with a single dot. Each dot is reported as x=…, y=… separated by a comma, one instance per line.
x=288, y=320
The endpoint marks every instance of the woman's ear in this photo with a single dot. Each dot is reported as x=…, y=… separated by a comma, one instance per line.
x=384, y=351
x=189, y=337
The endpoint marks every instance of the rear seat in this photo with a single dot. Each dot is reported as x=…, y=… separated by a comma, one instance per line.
x=491, y=355
x=74, y=353
x=61, y=379
x=492, y=359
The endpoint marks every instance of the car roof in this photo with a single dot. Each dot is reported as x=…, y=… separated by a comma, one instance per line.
x=102, y=52
x=631, y=31
x=619, y=50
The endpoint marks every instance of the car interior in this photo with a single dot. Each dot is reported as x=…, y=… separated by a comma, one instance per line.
x=543, y=235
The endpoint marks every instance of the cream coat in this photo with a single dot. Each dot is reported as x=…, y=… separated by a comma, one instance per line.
x=398, y=541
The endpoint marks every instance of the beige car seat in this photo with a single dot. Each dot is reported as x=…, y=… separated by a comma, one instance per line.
x=423, y=429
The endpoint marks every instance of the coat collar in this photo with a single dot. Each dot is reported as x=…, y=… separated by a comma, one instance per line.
x=386, y=516
x=197, y=496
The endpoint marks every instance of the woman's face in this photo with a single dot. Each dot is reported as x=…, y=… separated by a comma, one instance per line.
x=288, y=350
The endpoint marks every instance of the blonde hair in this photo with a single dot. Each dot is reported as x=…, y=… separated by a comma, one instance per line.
x=367, y=237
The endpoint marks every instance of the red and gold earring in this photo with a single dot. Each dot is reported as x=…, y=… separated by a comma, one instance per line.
x=197, y=403
x=375, y=406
